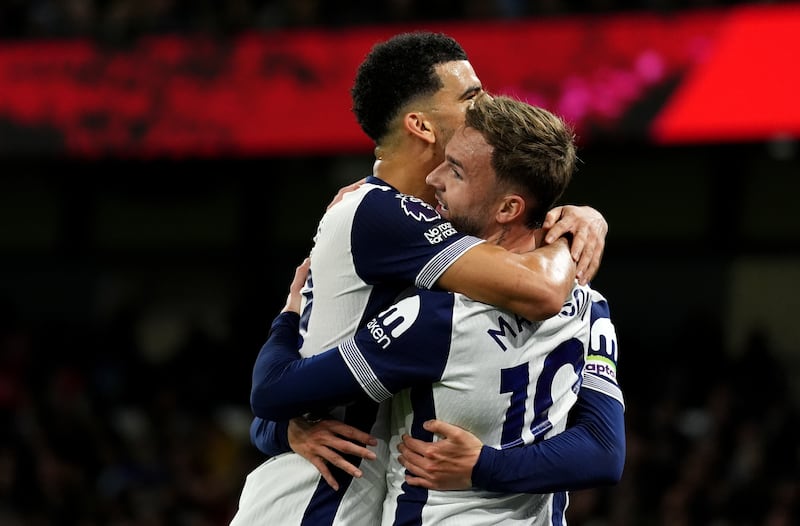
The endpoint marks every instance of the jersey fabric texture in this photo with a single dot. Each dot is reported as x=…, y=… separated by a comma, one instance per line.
x=368, y=247
x=509, y=381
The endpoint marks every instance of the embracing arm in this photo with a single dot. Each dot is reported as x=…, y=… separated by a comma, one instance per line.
x=588, y=229
x=322, y=443
x=278, y=395
x=533, y=284
x=286, y=386
x=591, y=452
x=271, y=438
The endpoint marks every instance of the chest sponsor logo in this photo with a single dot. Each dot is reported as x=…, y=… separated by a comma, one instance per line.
x=394, y=321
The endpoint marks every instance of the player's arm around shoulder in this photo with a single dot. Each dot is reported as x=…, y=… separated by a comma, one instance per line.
x=534, y=284
x=405, y=345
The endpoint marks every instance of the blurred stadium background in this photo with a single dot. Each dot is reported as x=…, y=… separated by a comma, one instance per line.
x=163, y=164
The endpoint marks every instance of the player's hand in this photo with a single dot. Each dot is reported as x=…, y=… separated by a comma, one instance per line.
x=294, y=297
x=588, y=228
x=445, y=464
x=342, y=191
x=325, y=442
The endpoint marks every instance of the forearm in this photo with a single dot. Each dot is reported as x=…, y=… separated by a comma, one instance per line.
x=285, y=385
x=533, y=285
x=553, y=267
x=271, y=438
x=589, y=453
x=275, y=355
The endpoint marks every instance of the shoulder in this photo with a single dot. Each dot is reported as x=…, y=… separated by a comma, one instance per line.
x=416, y=311
x=425, y=306
x=595, y=294
x=386, y=202
x=363, y=203
x=354, y=199
x=600, y=307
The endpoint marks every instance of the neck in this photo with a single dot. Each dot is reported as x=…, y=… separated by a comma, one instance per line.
x=515, y=238
x=406, y=171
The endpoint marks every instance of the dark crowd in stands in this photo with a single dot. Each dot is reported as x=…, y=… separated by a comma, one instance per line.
x=119, y=21
x=96, y=430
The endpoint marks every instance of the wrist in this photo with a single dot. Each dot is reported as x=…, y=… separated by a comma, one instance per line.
x=314, y=418
x=481, y=471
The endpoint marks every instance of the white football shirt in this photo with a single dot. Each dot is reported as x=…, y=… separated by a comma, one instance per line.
x=370, y=246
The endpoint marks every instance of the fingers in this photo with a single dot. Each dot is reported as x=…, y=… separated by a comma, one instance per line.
x=587, y=249
x=322, y=467
x=588, y=228
x=342, y=191
x=412, y=462
x=332, y=435
x=440, y=428
x=342, y=429
x=294, y=299
x=558, y=229
x=436, y=466
x=588, y=262
x=414, y=445
x=326, y=443
x=302, y=269
x=419, y=481
x=413, y=450
x=334, y=458
x=300, y=275
x=579, y=250
x=349, y=448
x=550, y=219
x=331, y=447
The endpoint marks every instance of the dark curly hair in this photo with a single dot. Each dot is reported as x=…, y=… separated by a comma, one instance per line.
x=396, y=71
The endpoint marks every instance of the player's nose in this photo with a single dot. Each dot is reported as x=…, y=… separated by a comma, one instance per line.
x=434, y=178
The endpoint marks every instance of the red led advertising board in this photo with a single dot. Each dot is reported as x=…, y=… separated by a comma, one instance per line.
x=707, y=75
x=748, y=89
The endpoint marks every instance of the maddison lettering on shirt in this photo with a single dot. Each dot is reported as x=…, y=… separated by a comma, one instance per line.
x=508, y=329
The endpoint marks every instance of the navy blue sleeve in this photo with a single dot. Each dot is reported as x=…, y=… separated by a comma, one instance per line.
x=405, y=344
x=271, y=438
x=285, y=386
x=399, y=238
x=589, y=453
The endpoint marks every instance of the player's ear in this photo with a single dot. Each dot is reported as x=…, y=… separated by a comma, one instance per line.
x=512, y=207
x=416, y=124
